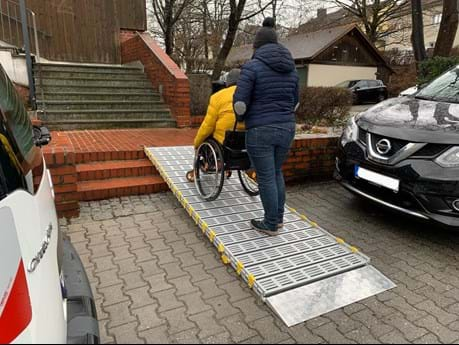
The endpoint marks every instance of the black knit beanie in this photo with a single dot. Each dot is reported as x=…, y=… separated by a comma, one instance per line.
x=267, y=34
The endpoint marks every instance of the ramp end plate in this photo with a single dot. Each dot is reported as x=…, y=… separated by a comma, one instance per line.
x=313, y=300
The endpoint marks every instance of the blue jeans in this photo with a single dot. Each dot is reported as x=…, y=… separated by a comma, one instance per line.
x=268, y=148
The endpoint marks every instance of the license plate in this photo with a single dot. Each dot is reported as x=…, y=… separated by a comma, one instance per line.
x=377, y=179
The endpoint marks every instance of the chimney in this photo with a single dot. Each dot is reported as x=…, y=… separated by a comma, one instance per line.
x=321, y=13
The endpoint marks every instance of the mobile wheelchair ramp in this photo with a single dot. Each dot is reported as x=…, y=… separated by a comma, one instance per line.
x=302, y=273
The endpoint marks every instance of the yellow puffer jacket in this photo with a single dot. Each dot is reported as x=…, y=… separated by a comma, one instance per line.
x=219, y=118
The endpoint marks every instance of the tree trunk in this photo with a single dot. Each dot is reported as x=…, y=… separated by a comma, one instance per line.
x=448, y=28
x=417, y=37
x=233, y=24
x=225, y=50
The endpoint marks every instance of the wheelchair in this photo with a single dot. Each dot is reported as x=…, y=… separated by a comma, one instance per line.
x=214, y=162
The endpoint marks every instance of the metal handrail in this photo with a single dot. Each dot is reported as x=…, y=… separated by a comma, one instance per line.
x=15, y=30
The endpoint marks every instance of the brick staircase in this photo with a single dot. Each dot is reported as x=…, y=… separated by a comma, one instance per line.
x=108, y=175
x=74, y=96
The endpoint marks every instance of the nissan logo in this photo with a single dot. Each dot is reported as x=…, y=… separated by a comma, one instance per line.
x=383, y=146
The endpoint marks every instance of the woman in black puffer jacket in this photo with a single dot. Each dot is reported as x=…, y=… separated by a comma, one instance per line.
x=266, y=98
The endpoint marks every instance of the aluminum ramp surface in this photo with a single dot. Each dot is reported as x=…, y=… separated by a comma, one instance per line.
x=283, y=270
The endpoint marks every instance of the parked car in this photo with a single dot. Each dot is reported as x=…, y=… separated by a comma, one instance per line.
x=410, y=91
x=366, y=91
x=404, y=153
x=45, y=295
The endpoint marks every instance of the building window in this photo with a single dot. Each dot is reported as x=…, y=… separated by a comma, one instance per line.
x=436, y=19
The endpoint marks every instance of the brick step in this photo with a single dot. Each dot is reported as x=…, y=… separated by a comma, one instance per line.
x=118, y=187
x=142, y=95
x=106, y=88
x=83, y=158
x=69, y=67
x=102, y=74
x=140, y=81
x=71, y=125
x=105, y=105
x=103, y=170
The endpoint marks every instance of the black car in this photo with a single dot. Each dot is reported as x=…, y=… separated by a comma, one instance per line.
x=404, y=153
x=366, y=91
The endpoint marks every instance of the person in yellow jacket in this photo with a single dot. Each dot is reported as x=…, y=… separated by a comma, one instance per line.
x=220, y=115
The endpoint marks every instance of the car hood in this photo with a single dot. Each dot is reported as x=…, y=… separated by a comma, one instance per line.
x=413, y=119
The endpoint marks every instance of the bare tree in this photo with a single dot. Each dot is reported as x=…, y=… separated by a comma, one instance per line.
x=417, y=37
x=238, y=14
x=167, y=14
x=448, y=28
x=378, y=17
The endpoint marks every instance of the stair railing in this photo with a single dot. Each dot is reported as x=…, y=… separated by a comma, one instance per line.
x=16, y=31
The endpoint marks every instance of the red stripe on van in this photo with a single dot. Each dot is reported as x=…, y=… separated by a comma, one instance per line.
x=17, y=313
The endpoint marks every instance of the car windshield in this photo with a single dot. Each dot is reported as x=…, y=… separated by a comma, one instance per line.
x=444, y=89
x=347, y=83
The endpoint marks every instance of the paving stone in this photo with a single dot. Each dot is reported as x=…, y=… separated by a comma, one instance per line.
x=121, y=253
x=104, y=263
x=237, y=290
x=410, y=312
x=362, y=335
x=167, y=300
x=173, y=270
x=137, y=243
x=197, y=273
x=331, y=335
x=194, y=303
x=270, y=333
x=157, y=335
x=222, y=307
x=409, y=330
x=165, y=257
x=103, y=334
x=140, y=297
x=113, y=295
x=394, y=337
x=186, y=337
x=150, y=268
x=148, y=317
x=222, y=338
x=207, y=324
x=443, y=333
x=238, y=328
x=158, y=283
x=126, y=334
x=177, y=320
x=302, y=335
x=109, y=278
x=119, y=314
x=142, y=254
x=187, y=259
x=133, y=280
x=251, y=309
x=377, y=326
x=427, y=339
x=441, y=315
x=183, y=285
x=127, y=266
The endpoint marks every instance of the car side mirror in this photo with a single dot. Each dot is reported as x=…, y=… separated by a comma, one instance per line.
x=41, y=136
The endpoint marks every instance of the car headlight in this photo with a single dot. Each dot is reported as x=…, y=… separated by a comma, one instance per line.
x=449, y=159
x=351, y=132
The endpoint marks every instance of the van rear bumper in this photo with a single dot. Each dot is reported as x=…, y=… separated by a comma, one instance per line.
x=82, y=325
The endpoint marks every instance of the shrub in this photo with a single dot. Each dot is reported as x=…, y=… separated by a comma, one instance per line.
x=434, y=67
x=324, y=106
x=200, y=91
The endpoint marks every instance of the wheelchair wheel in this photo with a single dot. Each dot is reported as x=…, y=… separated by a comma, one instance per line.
x=209, y=170
x=247, y=179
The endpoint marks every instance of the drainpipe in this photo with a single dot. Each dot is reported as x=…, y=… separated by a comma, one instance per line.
x=25, y=35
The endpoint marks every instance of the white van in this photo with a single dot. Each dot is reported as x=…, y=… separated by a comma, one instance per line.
x=45, y=296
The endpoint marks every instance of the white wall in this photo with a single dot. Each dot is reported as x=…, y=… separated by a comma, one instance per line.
x=330, y=75
x=15, y=67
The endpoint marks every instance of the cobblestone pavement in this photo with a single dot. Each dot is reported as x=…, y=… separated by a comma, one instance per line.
x=157, y=280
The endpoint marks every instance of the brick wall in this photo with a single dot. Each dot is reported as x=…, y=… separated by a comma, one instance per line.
x=162, y=72
x=126, y=35
x=311, y=157
x=61, y=161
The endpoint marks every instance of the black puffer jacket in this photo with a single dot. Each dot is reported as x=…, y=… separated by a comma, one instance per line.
x=268, y=88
